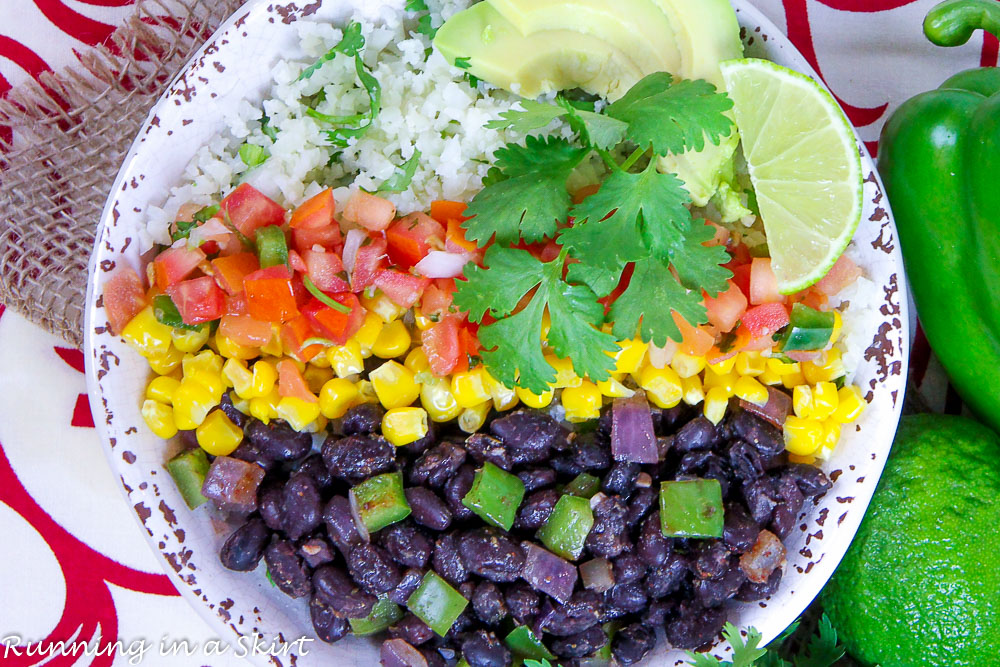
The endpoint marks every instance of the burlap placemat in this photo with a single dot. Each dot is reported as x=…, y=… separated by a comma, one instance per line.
x=71, y=131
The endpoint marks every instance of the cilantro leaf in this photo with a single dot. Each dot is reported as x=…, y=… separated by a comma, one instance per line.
x=698, y=266
x=532, y=116
x=745, y=654
x=515, y=354
x=525, y=195
x=182, y=229
x=511, y=274
x=823, y=649
x=595, y=129
x=673, y=117
x=424, y=26
x=340, y=136
x=646, y=305
x=268, y=129
x=400, y=181
x=253, y=155
x=350, y=45
x=602, y=280
x=463, y=62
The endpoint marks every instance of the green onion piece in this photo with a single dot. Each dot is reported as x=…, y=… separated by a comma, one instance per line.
x=183, y=230
x=808, y=329
x=525, y=644
x=335, y=120
x=566, y=530
x=327, y=301
x=380, y=501
x=584, y=486
x=436, y=603
x=272, y=249
x=383, y=614
x=691, y=508
x=165, y=312
x=205, y=214
x=188, y=470
x=495, y=496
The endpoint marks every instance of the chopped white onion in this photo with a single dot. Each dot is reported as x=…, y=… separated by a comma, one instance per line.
x=441, y=264
x=354, y=239
x=206, y=231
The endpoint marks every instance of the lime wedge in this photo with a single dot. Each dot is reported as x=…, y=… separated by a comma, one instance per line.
x=804, y=165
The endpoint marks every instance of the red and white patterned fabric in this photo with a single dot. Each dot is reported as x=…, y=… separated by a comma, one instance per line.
x=73, y=557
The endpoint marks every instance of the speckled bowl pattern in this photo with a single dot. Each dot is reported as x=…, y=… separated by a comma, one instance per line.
x=234, y=65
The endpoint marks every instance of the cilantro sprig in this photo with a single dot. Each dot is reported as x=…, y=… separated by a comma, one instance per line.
x=822, y=649
x=636, y=234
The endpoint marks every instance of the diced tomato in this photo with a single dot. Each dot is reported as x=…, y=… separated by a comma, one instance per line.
x=455, y=239
x=371, y=212
x=324, y=269
x=295, y=261
x=725, y=310
x=436, y=302
x=445, y=211
x=228, y=244
x=803, y=355
x=469, y=340
x=175, y=264
x=813, y=299
x=249, y=209
x=721, y=235
x=236, y=304
x=294, y=334
x=412, y=237
x=843, y=273
x=697, y=341
x=765, y=319
x=315, y=213
x=231, y=270
x=209, y=247
x=245, y=330
x=740, y=254
x=291, y=383
x=763, y=283
x=271, y=295
x=371, y=259
x=124, y=297
x=741, y=276
x=328, y=237
x=333, y=324
x=198, y=300
x=550, y=251
x=403, y=289
x=442, y=345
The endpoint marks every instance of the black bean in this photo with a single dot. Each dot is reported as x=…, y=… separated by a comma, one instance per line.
x=227, y=407
x=447, y=561
x=565, y=465
x=763, y=435
x=316, y=552
x=243, y=549
x=456, y=488
x=465, y=621
x=640, y=503
x=420, y=446
x=362, y=419
x=522, y=602
x=714, y=592
x=329, y=625
x=357, y=457
x=483, y=447
x=658, y=612
x=529, y=436
x=580, y=645
x=406, y=545
x=746, y=461
x=491, y=555
x=302, y=506
x=664, y=580
x=372, y=568
x=427, y=509
x=664, y=444
x=653, y=548
x=810, y=479
x=740, y=531
x=411, y=629
x=536, y=509
x=335, y=588
x=629, y=568
x=483, y=649
x=590, y=454
x=667, y=420
x=697, y=434
x=248, y=451
x=694, y=461
x=287, y=570
x=407, y=585
x=695, y=626
x=608, y=537
x=606, y=422
x=760, y=500
x=751, y=592
x=437, y=465
x=270, y=504
x=434, y=657
x=537, y=478
x=620, y=480
x=488, y=603
x=340, y=524
x=623, y=599
x=786, y=514
x=581, y=612
x=632, y=643
x=278, y=441
x=314, y=467
x=711, y=560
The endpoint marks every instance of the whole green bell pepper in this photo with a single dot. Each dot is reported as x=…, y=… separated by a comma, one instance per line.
x=940, y=160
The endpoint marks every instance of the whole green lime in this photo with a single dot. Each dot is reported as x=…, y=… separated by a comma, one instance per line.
x=920, y=585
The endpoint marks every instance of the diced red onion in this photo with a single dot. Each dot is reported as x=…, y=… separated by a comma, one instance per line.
x=597, y=575
x=776, y=410
x=356, y=514
x=766, y=555
x=632, y=436
x=660, y=357
x=207, y=231
x=233, y=484
x=398, y=653
x=352, y=242
x=440, y=264
x=548, y=573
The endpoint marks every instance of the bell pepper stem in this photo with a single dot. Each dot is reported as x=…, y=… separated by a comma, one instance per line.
x=952, y=22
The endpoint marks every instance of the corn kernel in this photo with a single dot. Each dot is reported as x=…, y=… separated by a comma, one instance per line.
x=298, y=412
x=210, y=380
x=532, y=400
x=265, y=375
x=750, y=363
x=346, y=360
x=792, y=380
x=829, y=369
x=146, y=335
x=422, y=321
x=838, y=327
x=368, y=333
x=242, y=404
x=663, y=386
x=394, y=385
x=438, y=401
x=825, y=400
x=613, y=388
x=401, y=426
x=382, y=306
x=751, y=390
x=219, y=436
x=161, y=389
x=565, y=375
x=192, y=401
x=232, y=350
x=780, y=367
x=504, y=398
x=724, y=367
x=204, y=360
x=802, y=401
x=831, y=436
x=316, y=377
x=769, y=377
x=803, y=436
x=187, y=340
x=716, y=402
x=726, y=382
x=629, y=359
x=166, y=364
x=692, y=389
x=273, y=347
x=336, y=397
x=472, y=419
x=393, y=341
x=416, y=360
x=850, y=405
x=582, y=403
x=159, y=418
x=265, y=408
x=469, y=388
x=321, y=360
x=237, y=376
x=366, y=392
x=687, y=365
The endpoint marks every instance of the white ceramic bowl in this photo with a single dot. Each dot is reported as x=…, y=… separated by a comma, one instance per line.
x=235, y=65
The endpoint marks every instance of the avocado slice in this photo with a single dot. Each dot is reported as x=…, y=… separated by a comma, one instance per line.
x=531, y=65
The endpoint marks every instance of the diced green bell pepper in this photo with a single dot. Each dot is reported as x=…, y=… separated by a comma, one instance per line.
x=436, y=603
x=495, y=496
x=583, y=486
x=808, y=329
x=384, y=613
x=188, y=470
x=165, y=312
x=381, y=501
x=691, y=508
x=565, y=533
x=525, y=644
x=272, y=249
